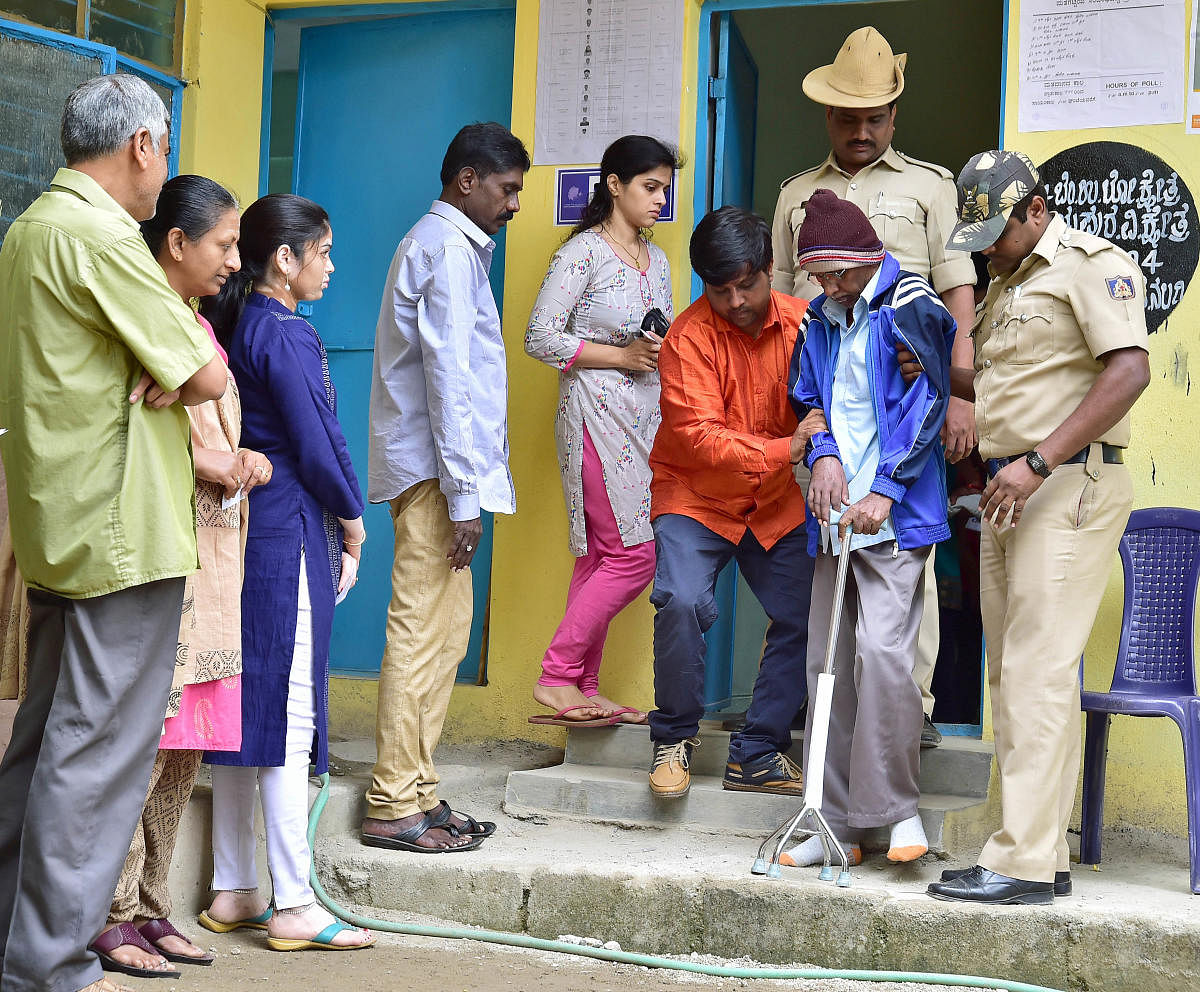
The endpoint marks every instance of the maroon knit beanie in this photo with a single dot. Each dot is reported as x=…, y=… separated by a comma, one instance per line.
x=835, y=235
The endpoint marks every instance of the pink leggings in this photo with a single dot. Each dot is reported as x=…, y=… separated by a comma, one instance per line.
x=606, y=580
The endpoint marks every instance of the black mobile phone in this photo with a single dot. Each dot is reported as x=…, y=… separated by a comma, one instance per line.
x=656, y=322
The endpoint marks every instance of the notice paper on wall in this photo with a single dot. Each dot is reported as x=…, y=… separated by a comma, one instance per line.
x=605, y=68
x=1101, y=63
x=1193, y=89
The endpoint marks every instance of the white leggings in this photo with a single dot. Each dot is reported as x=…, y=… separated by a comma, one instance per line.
x=284, y=792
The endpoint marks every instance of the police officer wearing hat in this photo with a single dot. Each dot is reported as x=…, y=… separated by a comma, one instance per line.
x=911, y=205
x=1060, y=357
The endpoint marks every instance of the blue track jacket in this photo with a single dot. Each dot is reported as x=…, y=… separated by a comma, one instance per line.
x=912, y=471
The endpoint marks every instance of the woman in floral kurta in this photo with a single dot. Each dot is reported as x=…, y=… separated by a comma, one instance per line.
x=587, y=324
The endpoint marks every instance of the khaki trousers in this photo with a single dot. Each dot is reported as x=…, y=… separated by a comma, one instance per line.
x=142, y=891
x=1040, y=586
x=428, y=629
x=929, y=641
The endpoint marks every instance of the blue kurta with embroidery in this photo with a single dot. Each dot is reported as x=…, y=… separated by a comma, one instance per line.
x=289, y=413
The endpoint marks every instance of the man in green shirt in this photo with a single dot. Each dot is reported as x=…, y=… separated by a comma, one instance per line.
x=95, y=350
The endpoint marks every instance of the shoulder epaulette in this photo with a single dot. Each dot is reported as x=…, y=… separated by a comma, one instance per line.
x=799, y=174
x=1089, y=244
x=944, y=173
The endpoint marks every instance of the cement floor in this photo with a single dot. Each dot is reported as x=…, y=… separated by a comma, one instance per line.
x=415, y=964
x=678, y=890
x=1131, y=925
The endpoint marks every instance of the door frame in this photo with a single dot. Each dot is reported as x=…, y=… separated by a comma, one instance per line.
x=704, y=166
x=705, y=66
x=730, y=39
x=340, y=12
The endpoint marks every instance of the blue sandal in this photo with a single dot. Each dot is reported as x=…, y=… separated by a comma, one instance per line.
x=321, y=942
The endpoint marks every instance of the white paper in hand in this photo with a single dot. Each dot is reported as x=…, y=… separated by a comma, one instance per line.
x=228, y=501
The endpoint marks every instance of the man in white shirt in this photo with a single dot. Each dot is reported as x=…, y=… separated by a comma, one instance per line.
x=438, y=456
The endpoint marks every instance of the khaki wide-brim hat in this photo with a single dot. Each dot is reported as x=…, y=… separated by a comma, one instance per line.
x=864, y=74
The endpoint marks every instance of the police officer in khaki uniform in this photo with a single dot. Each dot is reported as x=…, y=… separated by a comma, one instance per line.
x=911, y=205
x=1060, y=358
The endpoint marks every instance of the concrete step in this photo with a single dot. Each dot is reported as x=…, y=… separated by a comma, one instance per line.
x=621, y=796
x=671, y=890
x=961, y=766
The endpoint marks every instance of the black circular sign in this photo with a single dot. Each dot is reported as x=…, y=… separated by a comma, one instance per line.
x=1134, y=199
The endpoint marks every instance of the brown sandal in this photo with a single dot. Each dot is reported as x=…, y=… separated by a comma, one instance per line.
x=155, y=930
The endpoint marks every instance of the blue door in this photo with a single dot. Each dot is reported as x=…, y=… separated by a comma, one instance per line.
x=735, y=640
x=735, y=93
x=377, y=103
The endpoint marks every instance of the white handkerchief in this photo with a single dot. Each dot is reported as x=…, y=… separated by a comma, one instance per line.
x=228, y=501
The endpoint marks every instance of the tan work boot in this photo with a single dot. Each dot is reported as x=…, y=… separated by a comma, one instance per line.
x=669, y=775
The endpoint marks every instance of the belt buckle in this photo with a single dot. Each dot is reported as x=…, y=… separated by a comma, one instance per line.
x=994, y=465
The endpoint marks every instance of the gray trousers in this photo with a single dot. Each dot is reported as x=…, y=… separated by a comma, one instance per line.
x=873, y=758
x=74, y=777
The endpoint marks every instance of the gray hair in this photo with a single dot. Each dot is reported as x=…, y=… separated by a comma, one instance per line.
x=106, y=111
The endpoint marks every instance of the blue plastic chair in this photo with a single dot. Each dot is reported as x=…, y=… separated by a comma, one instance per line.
x=1155, y=671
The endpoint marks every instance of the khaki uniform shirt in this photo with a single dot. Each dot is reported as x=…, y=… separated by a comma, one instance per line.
x=911, y=204
x=1039, y=334
x=100, y=490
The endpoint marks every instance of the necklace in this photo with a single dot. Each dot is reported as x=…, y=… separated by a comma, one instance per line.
x=636, y=259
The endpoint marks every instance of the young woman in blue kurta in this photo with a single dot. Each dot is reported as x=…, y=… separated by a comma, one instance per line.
x=304, y=541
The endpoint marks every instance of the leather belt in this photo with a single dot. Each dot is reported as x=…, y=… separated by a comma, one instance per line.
x=1110, y=454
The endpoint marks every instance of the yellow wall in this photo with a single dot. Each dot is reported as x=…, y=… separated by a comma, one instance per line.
x=531, y=564
x=223, y=63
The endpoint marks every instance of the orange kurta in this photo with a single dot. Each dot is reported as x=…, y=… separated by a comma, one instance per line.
x=721, y=453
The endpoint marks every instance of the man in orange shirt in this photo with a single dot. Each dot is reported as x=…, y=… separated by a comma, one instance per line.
x=723, y=487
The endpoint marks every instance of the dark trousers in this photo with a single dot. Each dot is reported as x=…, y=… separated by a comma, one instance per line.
x=73, y=780
x=690, y=556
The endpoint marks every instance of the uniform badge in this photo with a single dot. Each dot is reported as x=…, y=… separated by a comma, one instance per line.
x=1121, y=288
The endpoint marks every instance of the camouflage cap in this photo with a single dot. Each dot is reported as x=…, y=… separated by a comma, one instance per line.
x=989, y=186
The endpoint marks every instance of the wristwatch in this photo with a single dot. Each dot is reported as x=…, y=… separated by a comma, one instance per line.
x=1038, y=464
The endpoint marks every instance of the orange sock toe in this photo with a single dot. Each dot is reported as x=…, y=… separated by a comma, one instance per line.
x=902, y=855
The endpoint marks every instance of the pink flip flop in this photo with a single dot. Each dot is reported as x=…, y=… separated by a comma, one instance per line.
x=560, y=719
x=617, y=714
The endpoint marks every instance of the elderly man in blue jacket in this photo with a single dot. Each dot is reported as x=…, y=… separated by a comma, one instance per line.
x=878, y=473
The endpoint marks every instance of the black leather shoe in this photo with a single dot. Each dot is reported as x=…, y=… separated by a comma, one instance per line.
x=1062, y=880
x=988, y=887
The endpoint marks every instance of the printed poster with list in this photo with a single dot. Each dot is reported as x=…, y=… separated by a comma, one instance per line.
x=1101, y=63
x=605, y=68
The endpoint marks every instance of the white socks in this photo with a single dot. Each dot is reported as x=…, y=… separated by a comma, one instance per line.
x=908, y=840
x=810, y=852
x=907, y=843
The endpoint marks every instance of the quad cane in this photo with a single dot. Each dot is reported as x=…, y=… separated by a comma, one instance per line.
x=810, y=821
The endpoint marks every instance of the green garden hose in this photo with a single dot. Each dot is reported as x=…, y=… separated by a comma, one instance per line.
x=626, y=957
